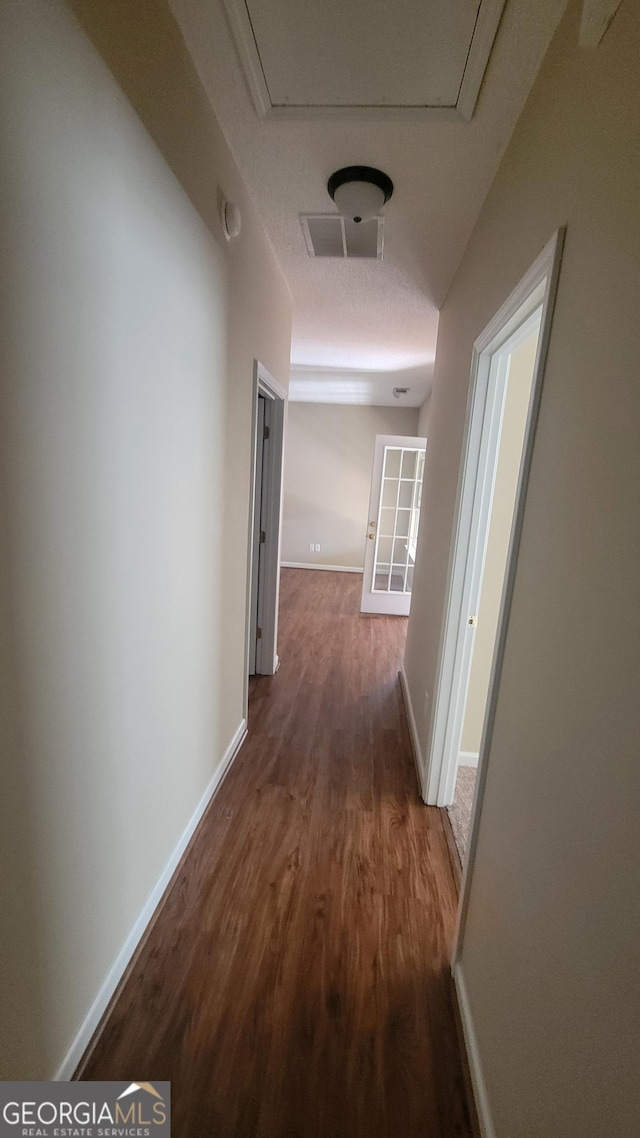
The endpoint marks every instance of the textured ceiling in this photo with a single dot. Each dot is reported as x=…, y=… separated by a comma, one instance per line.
x=371, y=315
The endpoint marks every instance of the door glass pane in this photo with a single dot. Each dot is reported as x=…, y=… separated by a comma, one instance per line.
x=387, y=522
x=400, y=551
x=390, y=492
x=381, y=580
x=409, y=463
x=383, y=552
x=413, y=533
x=396, y=584
x=405, y=497
x=402, y=473
x=393, y=456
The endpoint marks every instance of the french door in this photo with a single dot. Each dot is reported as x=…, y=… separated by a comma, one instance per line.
x=394, y=513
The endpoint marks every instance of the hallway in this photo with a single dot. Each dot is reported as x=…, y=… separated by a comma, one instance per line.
x=296, y=983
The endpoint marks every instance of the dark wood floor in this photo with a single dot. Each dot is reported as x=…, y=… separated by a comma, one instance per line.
x=295, y=984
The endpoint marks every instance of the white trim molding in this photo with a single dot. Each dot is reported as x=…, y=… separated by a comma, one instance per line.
x=110, y=983
x=487, y=23
x=468, y=758
x=531, y=300
x=487, y=1129
x=330, y=568
x=547, y=267
x=268, y=590
x=413, y=730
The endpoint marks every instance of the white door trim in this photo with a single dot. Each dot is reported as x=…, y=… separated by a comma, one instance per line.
x=537, y=287
x=485, y=433
x=546, y=269
x=266, y=650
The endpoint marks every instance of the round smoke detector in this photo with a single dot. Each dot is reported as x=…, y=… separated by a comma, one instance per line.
x=231, y=220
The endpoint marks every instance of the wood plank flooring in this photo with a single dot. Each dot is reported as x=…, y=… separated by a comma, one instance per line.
x=295, y=983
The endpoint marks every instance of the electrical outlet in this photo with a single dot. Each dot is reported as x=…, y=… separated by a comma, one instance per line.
x=312, y=547
x=317, y=549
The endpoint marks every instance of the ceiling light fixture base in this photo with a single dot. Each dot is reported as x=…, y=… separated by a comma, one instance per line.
x=359, y=192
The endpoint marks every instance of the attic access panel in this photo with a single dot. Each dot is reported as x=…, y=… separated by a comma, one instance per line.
x=319, y=58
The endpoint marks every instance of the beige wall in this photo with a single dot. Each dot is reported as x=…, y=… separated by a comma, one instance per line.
x=144, y=48
x=129, y=331
x=327, y=478
x=550, y=952
x=424, y=418
x=514, y=422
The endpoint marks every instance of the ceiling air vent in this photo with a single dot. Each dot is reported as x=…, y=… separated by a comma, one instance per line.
x=331, y=235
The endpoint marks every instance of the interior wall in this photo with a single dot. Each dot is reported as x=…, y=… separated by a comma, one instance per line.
x=550, y=947
x=145, y=52
x=514, y=422
x=327, y=478
x=424, y=418
x=128, y=337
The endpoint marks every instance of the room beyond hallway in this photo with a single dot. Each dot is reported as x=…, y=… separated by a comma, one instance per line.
x=460, y=810
x=296, y=982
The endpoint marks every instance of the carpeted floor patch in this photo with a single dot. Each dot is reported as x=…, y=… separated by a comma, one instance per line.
x=460, y=812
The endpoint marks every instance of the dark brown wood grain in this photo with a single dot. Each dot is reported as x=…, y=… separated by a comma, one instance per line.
x=454, y=853
x=295, y=983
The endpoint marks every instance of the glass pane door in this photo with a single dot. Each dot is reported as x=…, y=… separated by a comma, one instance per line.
x=398, y=517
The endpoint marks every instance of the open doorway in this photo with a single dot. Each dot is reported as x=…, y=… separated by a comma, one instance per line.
x=507, y=369
x=515, y=360
x=269, y=403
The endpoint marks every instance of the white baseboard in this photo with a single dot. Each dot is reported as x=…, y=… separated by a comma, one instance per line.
x=413, y=731
x=332, y=568
x=468, y=758
x=473, y=1055
x=113, y=977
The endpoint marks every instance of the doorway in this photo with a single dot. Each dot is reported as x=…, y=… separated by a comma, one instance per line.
x=269, y=405
x=394, y=514
x=512, y=370
x=518, y=333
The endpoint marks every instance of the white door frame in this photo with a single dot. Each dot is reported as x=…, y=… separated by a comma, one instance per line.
x=269, y=585
x=260, y=462
x=487, y=418
x=486, y=399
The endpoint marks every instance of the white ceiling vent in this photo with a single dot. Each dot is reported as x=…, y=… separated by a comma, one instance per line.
x=331, y=235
